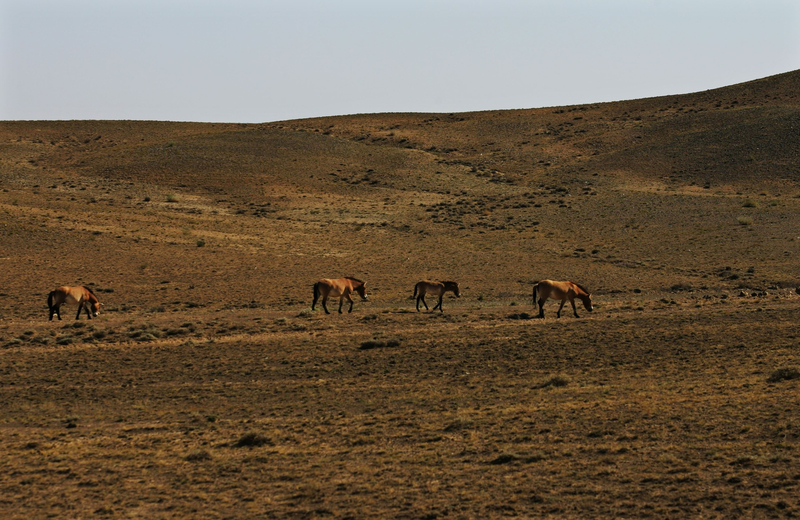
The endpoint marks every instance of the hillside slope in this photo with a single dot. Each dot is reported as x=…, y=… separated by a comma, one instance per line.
x=695, y=190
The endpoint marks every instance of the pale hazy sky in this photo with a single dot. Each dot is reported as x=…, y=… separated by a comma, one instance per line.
x=257, y=61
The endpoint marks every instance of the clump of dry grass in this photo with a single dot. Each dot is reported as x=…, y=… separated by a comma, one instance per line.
x=198, y=455
x=375, y=343
x=784, y=374
x=556, y=381
x=251, y=440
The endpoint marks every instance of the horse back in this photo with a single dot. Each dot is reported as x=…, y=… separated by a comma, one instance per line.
x=69, y=294
x=335, y=287
x=555, y=290
x=429, y=286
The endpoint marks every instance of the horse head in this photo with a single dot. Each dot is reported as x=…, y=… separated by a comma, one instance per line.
x=96, y=307
x=453, y=286
x=587, y=301
x=362, y=291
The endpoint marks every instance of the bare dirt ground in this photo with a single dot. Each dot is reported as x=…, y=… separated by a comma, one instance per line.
x=208, y=388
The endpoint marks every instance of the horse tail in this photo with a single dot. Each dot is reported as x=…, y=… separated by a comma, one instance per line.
x=316, y=291
x=50, y=299
x=535, y=292
x=415, y=290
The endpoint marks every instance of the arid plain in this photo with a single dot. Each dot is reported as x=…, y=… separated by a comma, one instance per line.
x=207, y=388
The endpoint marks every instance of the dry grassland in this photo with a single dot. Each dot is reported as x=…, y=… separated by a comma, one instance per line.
x=207, y=388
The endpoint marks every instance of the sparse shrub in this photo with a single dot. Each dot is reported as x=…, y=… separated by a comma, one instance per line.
x=198, y=455
x=201, y=243
x=250, y=440
x=147, y=199
x=783, y=374
x=171, y=197
x=749, y=204
x=65, y=340
x=505, y=458
x=189, y=326
x=374, y=343
x=557, y=380
x=461, y=423
x=99, y=334
x=520, y=316
x=744, y=221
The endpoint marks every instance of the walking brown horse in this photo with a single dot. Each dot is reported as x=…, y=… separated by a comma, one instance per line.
x=341, y=287
x=83, y=296
x=436, y=289
x=561, y=291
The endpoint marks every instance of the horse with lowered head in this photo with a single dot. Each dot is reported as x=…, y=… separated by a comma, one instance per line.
x=83, y=296
x=341, y=287
x=435, y=288
x=561, y=291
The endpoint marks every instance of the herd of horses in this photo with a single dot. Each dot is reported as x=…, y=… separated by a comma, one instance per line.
x=343, y=288
x=542, y=291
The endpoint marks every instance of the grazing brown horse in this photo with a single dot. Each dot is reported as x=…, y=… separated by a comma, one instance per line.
x=561, y=291
x=83, y=296
x=436, y=289
x=341, y=287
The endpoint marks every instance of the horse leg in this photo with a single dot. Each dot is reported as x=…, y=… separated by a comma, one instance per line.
x=558, y=314
x=424, y=302
x=341, y=300
x=316, y=297
x=88, y=311
x=418, y=299
x=541, y=308
x=574, y=310
x=324, y=303
x=440, y=303
x=351, y=303
x=80, y=308
x=58, y=311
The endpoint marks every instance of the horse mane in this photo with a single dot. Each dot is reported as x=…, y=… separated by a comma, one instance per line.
x=354, y=279
x=582, y=288
x=90, y=291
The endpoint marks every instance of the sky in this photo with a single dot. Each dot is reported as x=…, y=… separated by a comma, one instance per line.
x=258, y=61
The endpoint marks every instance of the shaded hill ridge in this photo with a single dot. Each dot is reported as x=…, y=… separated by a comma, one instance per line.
x=679, y=134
